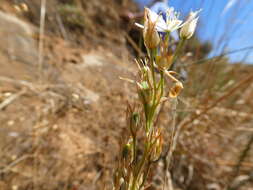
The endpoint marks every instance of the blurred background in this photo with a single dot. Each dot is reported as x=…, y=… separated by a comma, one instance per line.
x=62, y=104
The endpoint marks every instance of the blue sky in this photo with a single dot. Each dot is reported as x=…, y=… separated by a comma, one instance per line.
x=228, y=24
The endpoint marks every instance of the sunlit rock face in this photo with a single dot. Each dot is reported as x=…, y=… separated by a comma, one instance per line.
x=17, y=39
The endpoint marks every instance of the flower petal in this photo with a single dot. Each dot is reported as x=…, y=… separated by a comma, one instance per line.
x=139, y=25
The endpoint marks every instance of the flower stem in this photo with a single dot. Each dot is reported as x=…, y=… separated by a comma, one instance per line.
x=140, y=166
x=178, y=50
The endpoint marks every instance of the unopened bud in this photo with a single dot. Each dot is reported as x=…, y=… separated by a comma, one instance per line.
x=134, y=122
x=176, y=89
x=147, y=74
x=150, y=34
x=189, y=27
x=127, y=152
x=144, y=92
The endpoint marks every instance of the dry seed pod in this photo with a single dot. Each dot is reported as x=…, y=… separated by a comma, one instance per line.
x=175, y=89
x=164, y=62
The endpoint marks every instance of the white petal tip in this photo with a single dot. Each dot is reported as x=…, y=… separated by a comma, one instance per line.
x=139, y=25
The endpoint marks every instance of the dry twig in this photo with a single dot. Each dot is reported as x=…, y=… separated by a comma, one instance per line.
x=10, y=99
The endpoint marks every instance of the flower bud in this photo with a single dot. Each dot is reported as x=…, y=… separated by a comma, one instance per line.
x=144, y=92
x=147, y=74
x=176, y=89
x=145, y=96
x=134, y=121
x=189, y=27
x=127, y=152
x=150, y=34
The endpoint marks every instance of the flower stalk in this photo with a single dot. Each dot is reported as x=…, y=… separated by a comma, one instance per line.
x=145, y=143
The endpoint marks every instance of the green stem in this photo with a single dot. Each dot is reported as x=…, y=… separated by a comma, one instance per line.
x=134, y=150
x=152, y=57
x=166, y=40
x=178, y=50
x=151, y=112
x=162, y=81
x=160, y=86
x=139, y=167
x=145, y=175
x=156, y=103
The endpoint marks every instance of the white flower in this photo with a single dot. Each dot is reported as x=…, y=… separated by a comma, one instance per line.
x=153, y=18
x=189, y=26
x=172, y=22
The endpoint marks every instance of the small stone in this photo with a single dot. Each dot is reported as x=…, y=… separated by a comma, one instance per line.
x=14, y=187
x=10, y=123
x=55, y=127
x=13, y=134
x=75, y=96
